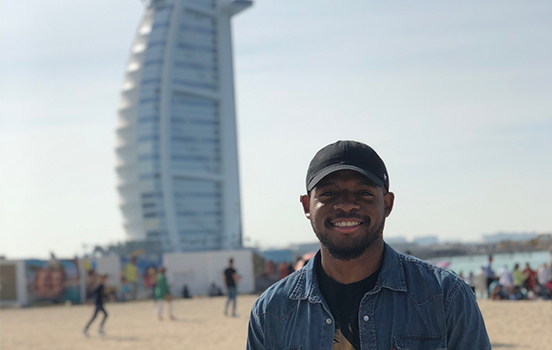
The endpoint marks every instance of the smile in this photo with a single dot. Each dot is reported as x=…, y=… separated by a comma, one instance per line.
x=346, y=223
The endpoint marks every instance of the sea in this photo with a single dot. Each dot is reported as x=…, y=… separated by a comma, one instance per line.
x=472, y=263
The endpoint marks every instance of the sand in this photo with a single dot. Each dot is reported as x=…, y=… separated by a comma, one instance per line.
x=202, y=325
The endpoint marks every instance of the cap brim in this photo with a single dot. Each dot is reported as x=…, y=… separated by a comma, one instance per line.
x=337, y=167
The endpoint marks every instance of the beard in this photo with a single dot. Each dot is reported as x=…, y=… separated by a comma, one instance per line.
x=354, y=247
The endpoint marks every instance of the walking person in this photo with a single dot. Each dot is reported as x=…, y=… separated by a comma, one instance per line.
x=231, y=279
x=358, y=292
x=97, y=297
x=163, y=295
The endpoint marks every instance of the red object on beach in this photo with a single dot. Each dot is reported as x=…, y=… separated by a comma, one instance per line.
x=443, y=264
x=301, y=262
x=308, y=256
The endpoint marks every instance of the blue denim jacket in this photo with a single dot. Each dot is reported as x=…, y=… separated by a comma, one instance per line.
x=414, y=305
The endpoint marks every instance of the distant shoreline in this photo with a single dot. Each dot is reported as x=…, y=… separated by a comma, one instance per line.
x=458, y=249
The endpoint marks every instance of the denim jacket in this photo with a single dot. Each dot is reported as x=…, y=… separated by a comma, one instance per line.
x=414, y=305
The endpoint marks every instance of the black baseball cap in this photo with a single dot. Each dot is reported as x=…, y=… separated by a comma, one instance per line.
x=347, y=155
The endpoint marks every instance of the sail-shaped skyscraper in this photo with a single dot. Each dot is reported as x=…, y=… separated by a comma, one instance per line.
x=176, y=138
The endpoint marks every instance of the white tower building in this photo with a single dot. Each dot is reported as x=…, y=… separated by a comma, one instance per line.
x=177, y=148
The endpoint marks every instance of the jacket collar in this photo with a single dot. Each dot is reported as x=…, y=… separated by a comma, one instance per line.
x=391, y=277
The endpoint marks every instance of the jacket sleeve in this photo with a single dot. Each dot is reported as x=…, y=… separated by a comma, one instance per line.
x=255, y=333
x=465, y=325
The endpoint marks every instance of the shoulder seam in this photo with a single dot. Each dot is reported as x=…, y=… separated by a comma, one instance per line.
x=452, y=294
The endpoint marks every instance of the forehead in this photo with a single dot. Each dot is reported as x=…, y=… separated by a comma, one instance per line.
x=345, y=176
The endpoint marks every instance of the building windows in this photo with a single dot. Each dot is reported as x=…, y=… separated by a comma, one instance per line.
x=154, y=215
x=189, y=131
x=149, y=176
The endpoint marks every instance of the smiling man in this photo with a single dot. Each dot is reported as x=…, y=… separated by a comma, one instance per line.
x=358, y=293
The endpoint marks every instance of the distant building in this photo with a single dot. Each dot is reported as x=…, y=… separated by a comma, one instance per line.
x=503, y=236
x=303, y=248
x=397, y=240
x=177, y=149
x=424, y=241
x=277, y=255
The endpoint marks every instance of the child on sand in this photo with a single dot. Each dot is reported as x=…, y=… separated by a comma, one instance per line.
x=97, y=297
x=162, y=292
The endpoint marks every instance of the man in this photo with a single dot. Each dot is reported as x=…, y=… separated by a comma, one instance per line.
x=506, y=282
x=357, y=292
x=230, y=279
x=542, y=280
x=489, y=272
x=97, y=297
x=131, y=277
x=519, y=276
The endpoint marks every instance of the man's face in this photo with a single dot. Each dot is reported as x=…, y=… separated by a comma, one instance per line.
x=347, y=213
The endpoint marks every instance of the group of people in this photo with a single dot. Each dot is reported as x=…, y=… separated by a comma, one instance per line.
x=357, y=292
x=156, y=279
x=98, y=295
x=516, y=284
x=130, y=280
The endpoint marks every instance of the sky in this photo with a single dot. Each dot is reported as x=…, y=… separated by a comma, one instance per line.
x=454, y=96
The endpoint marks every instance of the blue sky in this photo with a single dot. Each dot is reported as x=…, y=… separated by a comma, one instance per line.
x=454, y=96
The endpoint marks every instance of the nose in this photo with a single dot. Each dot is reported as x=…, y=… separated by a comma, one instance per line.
x=346, y=203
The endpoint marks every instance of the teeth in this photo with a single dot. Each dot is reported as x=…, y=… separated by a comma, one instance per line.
x=347, y=223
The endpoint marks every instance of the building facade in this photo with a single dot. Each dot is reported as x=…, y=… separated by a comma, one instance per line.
x=176, y=138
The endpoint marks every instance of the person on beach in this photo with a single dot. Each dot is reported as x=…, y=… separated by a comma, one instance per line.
x=505, y=278
x=471, y=281
x=481, y=288
x=131, y=277
x=357, y=292
x=489, y=272
x=542, y=280
x=150, y=279
x=519, y=276
x=98, y=297
x=231, y=279
x=162, y=294
x=530, y=281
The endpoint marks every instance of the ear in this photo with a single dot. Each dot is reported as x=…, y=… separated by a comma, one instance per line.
x=305, y=201
x=388, y=201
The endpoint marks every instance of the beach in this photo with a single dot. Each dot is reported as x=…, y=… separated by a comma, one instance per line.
x=201, y=324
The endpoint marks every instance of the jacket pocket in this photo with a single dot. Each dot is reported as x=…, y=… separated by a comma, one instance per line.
x=419, y=342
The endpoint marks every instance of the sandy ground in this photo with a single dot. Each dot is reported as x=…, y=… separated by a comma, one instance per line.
x=202, y=325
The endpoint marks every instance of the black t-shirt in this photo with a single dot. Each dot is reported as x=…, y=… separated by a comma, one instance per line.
x=98, y=295
x=229, y=276
x=344, y=301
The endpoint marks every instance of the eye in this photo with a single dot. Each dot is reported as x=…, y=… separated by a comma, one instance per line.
x=327, y=194
x=365, y=193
